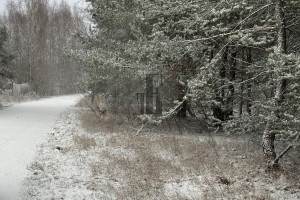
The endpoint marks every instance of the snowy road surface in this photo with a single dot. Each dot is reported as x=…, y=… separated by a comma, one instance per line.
x=22, y=128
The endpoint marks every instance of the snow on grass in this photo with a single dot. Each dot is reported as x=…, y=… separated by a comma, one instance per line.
x=60, y=170
x=187, y=189
x=9, y=99
x=22, y=128
x=90, y=158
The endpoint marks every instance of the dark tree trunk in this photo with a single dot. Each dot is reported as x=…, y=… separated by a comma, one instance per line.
x=241, y=104
x=242, y=86
x=218, y=112
x=149, y=94
x=182, y=112
x=188, y=69
x=269, y=136
x=248, y=57
x=232, y=74
x=248, y=102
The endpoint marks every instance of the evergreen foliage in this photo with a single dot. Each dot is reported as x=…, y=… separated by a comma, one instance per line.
x=111, y=59
x=220, y=57
x=5, y=56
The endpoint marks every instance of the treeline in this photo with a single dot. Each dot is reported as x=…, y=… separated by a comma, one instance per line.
x=233, y=63
x=5, y=56
x=39, y=34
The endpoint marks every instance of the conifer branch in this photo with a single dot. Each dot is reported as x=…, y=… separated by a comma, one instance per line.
x=224, y=35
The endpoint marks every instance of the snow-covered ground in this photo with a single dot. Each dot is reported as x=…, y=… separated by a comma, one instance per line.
x=22, y=127
x=87, y=158
x=61, y=169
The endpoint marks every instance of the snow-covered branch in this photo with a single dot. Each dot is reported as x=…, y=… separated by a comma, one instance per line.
x=224, y=35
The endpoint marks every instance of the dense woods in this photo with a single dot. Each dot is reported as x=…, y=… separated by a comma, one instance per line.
x=178, y=99
x=234, y=65
x=38, y=35
x=5, y=56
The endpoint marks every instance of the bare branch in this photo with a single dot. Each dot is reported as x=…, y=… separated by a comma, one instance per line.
x=286, y=150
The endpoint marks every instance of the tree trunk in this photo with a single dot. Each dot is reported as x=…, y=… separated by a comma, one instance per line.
x=232, y=74
x=269, y=136
x=248, y=99
x=149, y=94
x=241, y=97
x=182, y=112
x=242, y=86
x=218, y=112
x=268, y=140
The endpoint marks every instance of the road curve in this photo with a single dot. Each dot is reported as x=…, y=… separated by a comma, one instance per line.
x=22, y=127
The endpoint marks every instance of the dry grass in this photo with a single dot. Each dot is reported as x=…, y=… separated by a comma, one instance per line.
x=36, y=166
x=172, y=166
x=11, y=99
x=94, y=122
x=83, y=142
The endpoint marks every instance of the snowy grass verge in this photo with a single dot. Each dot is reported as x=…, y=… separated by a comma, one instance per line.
x=9, y=99
x=90, y=158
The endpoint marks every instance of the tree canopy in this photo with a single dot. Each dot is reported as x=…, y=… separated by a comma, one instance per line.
x=233, y=63
x=5, y=56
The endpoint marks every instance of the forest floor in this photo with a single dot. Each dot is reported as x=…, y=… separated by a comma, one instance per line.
x=86, y=157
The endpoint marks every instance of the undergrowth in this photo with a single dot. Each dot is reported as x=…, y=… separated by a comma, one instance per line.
x=156, y=164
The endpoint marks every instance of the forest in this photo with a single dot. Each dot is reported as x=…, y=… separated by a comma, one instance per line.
x=228, y=67
x=231, y=64
x=34, y=38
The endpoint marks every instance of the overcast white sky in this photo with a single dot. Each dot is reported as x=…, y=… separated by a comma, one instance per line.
x=79, y=3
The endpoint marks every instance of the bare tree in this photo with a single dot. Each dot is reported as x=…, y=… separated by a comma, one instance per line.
x=40, y=34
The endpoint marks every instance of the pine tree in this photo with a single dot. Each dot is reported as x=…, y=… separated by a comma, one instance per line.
x=5, y=56
x=225, y=59
x=286, y=66
x=111, y=58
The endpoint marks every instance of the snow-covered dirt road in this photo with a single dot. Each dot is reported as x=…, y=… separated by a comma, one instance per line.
x=22, y=128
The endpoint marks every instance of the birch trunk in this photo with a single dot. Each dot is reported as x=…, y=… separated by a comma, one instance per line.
x=268, y=138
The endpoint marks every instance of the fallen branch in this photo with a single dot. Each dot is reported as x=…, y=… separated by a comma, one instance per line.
x=147, y=119
x=138, y=131
x=275, y=161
